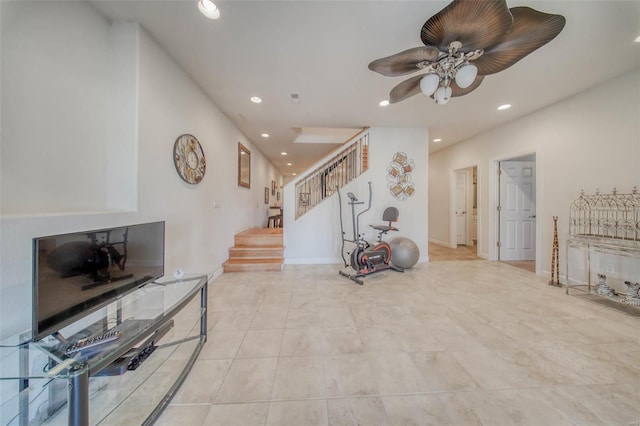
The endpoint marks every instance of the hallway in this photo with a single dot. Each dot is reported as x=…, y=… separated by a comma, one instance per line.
x=438, y=252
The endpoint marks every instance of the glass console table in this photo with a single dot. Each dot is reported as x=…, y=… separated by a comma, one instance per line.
x=163, y=327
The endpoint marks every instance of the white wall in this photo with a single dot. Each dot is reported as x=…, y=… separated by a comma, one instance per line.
x=315, y=237
x=122, y=152
x=48, y=47
x=55, y=86
x=589, y=141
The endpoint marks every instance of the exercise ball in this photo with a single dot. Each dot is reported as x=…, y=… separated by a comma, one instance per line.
x=404, y=252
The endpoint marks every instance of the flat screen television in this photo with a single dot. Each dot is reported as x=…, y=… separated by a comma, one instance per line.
x=78, y=273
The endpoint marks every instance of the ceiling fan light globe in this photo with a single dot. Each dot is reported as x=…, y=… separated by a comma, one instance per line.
x=466, y=75
x=429, y=84
x=208, y=9
x=442, y=95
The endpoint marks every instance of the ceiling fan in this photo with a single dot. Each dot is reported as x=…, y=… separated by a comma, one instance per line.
x=464, y=42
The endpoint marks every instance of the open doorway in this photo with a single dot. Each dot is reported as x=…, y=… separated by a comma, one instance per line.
x=463, y=218
x=517, y=227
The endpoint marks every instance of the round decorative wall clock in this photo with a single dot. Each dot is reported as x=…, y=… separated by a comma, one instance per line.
x=188, y=158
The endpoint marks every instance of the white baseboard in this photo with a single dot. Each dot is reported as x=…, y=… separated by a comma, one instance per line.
x=214, y=275
x=440, y=243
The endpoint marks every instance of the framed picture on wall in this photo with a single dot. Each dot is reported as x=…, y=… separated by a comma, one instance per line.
x=266, y=195
x=273, y=187
x=244, y=166
x=278, y=196
x=304, y=199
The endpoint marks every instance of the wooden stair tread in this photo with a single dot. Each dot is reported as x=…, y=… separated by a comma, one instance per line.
x=255, y=261
x=254, y=247
x=255, y=253
x=257, y=240
x=255, y=250
x=261, y=231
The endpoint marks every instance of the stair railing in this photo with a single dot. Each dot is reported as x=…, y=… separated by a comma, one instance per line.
x=340, y=169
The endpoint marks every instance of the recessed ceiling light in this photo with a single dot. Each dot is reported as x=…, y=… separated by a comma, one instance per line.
x=208, y=9
x=503, y=107
x=283, y=153
x=256, y=100
x=289, y=164
x=384, y=103
x=437, y=140
x=293, y=174
x=265, y=135
x=638, y=39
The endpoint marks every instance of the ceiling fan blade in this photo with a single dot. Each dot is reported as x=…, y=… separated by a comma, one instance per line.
x=531, y=30
x=406, y=89
x=477, y=24
x=457, y=91
x=404, y=62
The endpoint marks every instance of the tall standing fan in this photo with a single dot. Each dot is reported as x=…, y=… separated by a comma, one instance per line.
x=464, y=42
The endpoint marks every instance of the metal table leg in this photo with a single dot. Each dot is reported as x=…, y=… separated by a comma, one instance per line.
x=79, y=399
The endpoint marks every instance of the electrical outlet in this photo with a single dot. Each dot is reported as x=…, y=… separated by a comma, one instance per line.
x=611, y=268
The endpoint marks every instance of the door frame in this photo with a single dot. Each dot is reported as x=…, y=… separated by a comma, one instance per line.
x=462, y=176
x=453, y=227
x=494, y=201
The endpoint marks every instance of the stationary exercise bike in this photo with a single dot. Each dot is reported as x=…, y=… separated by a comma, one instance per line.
x=364, y=258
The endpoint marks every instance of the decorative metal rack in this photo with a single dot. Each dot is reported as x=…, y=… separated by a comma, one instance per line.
x=604, y=223
x=611, y=216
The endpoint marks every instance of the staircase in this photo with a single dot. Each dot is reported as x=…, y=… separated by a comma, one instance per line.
x=256, y=250
x=338, y=169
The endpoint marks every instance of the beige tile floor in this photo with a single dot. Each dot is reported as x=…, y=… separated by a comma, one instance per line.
x=445, y=343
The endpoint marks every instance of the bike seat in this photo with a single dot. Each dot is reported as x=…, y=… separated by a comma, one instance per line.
x=390, y=215
x=384, y=228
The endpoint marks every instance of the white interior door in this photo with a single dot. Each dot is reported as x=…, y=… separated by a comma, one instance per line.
x=518, y=210
x=461, y=207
